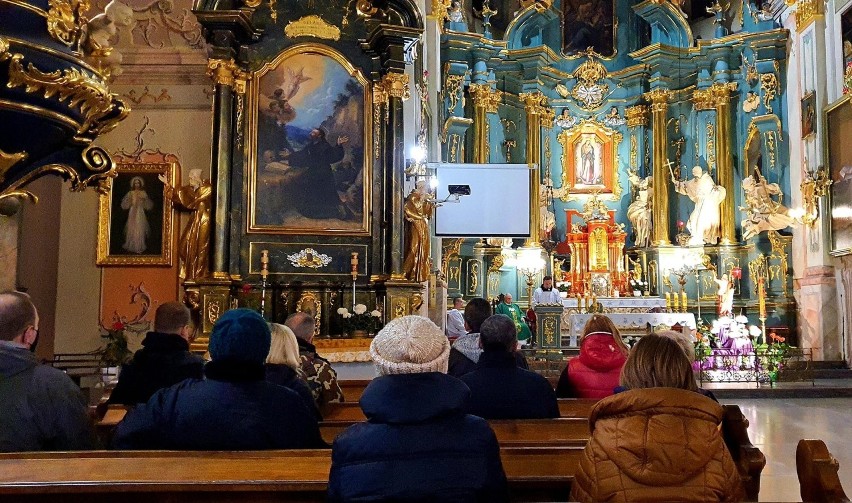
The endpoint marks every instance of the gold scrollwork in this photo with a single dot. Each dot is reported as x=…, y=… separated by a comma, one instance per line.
x=590, y=91
x=310, y=303
x=634, y=152
x=214, y=310
x=95, y=159
x=636, y=115
x=396, y=85
x=659, y=99
x=807, y=11
x=309, y=258
x=473, y=277
x=453, y=89
x=550, y=330
x=769, y=85
x=702, y=99
x=312, y=26
x=779, y=253
x=400, y=307
x=711, y=147
x=7, y=160
x=486, y=97
x=222, y=71
x=101, y=109
x=65, y=20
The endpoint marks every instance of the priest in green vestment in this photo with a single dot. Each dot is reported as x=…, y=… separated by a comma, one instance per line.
x=514, y=312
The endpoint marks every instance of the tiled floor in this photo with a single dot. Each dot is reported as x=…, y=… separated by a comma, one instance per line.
x=777, y=425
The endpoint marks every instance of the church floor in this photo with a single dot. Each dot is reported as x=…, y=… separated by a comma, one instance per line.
x=776, y=425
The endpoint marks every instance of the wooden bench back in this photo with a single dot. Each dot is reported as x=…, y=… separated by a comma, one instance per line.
x=229, y=476
x=351, y=411
x=817, y=471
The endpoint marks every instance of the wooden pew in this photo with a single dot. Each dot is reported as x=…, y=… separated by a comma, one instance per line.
x=511, y=432
x=748, y=458
x=817, y=471
x=534, y=473
x=351, y=411
x=353, y=388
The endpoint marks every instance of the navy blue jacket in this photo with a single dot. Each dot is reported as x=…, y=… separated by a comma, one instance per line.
x=501, y=390
x=417, y=445
x=163, y=361
x=233, y=409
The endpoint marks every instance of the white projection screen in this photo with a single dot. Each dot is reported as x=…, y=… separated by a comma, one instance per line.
x=498, y=204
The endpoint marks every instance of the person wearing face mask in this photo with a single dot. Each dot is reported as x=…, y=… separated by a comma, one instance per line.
x=43, y=410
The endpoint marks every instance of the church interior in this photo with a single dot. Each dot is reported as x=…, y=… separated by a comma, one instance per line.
x=677, y=163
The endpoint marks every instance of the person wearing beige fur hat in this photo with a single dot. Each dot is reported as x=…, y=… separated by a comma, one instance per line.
x=418, y=443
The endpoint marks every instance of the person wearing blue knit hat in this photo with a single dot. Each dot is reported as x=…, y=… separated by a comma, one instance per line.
x=233, y=408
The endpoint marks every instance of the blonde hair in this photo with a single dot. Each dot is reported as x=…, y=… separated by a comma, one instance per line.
x=599, y=323
x=284, y=349
x=683, y=340
x=657, y=362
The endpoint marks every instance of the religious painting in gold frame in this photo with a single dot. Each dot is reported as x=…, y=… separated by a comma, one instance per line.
x=135, y=215
x=590, y=159
x=589, y=24
x=308, y=158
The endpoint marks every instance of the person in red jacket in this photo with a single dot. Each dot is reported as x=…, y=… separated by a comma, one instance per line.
x=595, y=373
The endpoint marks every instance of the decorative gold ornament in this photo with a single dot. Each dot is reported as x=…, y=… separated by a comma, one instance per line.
x=453, y=88
x=484, y=96
x=312, y=26
x=535, y=102
x=8, y=160
x=396, y=85
x=702, y=99
x=847, y=80
x=590, y=91
x=814, y=186
x=222, y=71
x=448, y=252
x=808, y=11
x=65, y=20
x=441, y=11
x=473, y=276
x=769, y=85
x=309, y=258
x=659, y=99
x=637, y=115
x=102, y=110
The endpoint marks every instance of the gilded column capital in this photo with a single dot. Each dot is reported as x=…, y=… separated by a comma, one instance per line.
x=535, y=102
x=222, y=71
x=808, y=11
x=547, y=117
x=484, y=96
x=703, y=99
x=721, y=92
x=659, y=99
x=637, y=115
x=396, y=85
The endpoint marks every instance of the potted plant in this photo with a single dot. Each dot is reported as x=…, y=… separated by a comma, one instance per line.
x=564, y=287
x=116, y=351
x=360, y=323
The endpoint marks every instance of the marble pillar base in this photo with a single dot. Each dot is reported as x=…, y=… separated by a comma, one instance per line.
x=819, y=329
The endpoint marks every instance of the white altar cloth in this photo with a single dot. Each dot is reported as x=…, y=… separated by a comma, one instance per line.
x=629, y=321
x=621, y=304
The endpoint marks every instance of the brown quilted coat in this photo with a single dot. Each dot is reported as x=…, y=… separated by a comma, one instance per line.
x=656, y=444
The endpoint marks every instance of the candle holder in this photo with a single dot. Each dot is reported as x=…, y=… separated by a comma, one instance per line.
x=264, y=274
x=354, y=272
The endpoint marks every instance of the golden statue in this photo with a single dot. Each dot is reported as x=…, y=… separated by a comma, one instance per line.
x=418, y=208
x=194, y=244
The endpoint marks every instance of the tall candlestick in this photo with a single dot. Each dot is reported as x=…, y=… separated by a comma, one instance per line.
x=668, y=301
x=264, y=263
x=579, y=306
x=645, y=274
x=683, y=301
x=354, y=263
x=675, y=303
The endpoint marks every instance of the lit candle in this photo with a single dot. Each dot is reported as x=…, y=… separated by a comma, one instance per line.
x=264, y=263
x=761, y=298
x=675, y=302
x=668, y=301
x=683, y=301
x=579, y=306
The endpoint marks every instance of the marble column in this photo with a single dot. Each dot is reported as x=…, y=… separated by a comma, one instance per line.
x=659, y=99
x=397, y=88
x=222, y=72
x=721, y=95
x=485, y=101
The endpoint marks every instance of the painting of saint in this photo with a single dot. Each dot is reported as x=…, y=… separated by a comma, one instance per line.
x=589, y=24
x=588, y=162
x=808, y=115
x=310, y=157
x=136, y=215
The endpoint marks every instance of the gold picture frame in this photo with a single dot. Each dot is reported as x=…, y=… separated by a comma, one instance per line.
x=838, y=128
x=593, y=145
x=135, y=216
x=309, y=162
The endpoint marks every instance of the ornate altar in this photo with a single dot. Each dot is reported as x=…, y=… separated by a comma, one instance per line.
x=596, y=250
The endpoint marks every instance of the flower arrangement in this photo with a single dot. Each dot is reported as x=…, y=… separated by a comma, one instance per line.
x=637, y=285
x=360, y=319
x=116, y=351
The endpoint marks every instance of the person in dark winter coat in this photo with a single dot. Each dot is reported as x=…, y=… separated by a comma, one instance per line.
x=595, y=373
x=466, y=350
x=41, y=409
x=282, y=365
x=498, y=388
x=418, y=444
x=234, y=408
x=164, y=359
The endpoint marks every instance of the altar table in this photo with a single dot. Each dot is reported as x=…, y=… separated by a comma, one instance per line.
x=620, y=304
x=629, y=322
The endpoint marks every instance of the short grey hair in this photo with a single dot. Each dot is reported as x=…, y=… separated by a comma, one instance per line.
x=498, y=332
x=302, y=325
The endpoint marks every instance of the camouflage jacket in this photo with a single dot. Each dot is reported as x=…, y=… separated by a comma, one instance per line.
x=322, y=379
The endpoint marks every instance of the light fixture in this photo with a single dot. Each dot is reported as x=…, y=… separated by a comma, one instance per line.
x=530, y=263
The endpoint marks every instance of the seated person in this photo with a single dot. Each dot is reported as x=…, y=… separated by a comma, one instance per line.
x=234, y=408
x=498, y=388
x=164, y=359
x=283, y=365
x=594, y=373
x=685, y=342
x=321, y=377
x=466, y=349
x=660, y=439
x=455, y=319
x=41, y=409
x=417, y=444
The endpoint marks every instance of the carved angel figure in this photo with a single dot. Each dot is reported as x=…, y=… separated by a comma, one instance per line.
x=639, y=211
x=763, y=213
x=100, y=36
